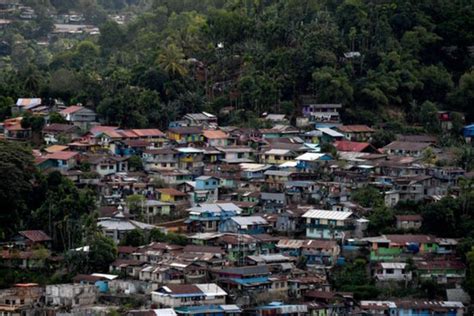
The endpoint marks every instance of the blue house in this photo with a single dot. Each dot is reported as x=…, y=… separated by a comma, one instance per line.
x=312, y=161
x=468, y=132
x=279, y=308
x=101, y=281
x=209, y=310
x=207, y=183
x=206, y=217
x=251, y=225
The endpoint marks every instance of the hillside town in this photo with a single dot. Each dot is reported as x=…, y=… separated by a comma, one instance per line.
x=268, y=221
x=236, y=158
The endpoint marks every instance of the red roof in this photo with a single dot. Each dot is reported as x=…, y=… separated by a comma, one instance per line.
x=215, y=134
x=171, y=191
x=404, y=239
x=183, y=288
x=440, y=264
x=71, y=109
x=355, y=129
x=126, y=249
x=346, y=145
x=409, y=218
x=35, y=235
x=62, y=155
x=148, y=132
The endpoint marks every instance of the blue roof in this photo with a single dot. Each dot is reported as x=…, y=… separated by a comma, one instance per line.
x=207, y=309
x=250, y=281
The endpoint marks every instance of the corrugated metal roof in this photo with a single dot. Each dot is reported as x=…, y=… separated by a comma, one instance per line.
x=393, y=265
x=323, y=214
x=330, y=132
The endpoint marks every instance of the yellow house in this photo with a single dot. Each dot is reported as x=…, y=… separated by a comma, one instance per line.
x=185, y=134
x=277, y=156
x=171, y=195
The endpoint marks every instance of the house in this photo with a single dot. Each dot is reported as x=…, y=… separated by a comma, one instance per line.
x=276, y=179
x=448, y=176
x=279, y=308
x=358, y=133
x=328, y=135
x=277, y=156
x=323, y=302
x=312, y=161
x=273, y=202
x=215, y=138
x=62, y=160
x=13, y=130
x=191, y=159
x=468, y=133
x=441, y=271
x=325, y=224
x=187, y=134
x=178, y=295
x=20, y=299
x=392, y=272
x=157, y=208
x=399, y=148
x=208, y=186
x=70, y=295
x=202, y=119
x=314, y=251
x=117, y=226
x=320, y=113
x=101, y=281
x=236, y=154
x=79, y=115
x=446, y=119
x=171, y=195
x=26, y=104
x=208, y=310
x=360, y=147
x=407, y=222
x=206, y=217
x=412, y=307
x=392, y=247
x=416, y=188
x=279, y=131
x=152, y=312
x=253, y=171
x=245, y=225
x=252, y=280
x=56, y=132
x=28, y=239
x=105, y=165
x=276, y=118
x=160, y=159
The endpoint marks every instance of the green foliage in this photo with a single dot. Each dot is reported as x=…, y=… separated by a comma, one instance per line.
x=36, y=123
x=134, y=238
x=470, y=271
x=55, y=117
x=353, y=277
x=382, y=137
x=135, y=163
x=368, y=196
x=17, y=174
x=157, y=235
x=63, y=211
x=102, y=252
x=180, y=56
x=381, y=220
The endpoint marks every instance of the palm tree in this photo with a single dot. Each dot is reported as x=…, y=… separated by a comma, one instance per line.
x=171, y=60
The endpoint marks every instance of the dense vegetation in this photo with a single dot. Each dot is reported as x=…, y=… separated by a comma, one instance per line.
x=179, y=56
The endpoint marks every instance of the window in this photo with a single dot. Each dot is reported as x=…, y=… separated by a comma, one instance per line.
x=389, y=271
